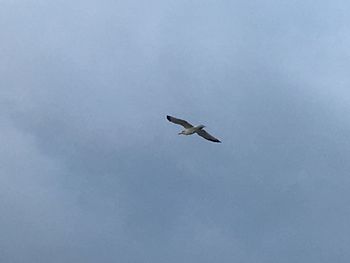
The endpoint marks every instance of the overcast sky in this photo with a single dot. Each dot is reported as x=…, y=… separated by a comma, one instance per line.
x=91, y=171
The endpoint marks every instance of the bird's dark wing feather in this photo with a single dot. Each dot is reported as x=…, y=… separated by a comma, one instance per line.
x=183, y=123
x=207, y=136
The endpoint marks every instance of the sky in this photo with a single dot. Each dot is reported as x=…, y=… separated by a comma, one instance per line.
x=91, y=171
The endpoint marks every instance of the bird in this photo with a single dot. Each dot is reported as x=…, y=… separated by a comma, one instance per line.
x=190, y=129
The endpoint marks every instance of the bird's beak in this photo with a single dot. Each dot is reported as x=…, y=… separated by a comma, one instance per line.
x=179, y=133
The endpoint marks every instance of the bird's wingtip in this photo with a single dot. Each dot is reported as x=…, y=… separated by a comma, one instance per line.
x=215, y=140
x=168, y=117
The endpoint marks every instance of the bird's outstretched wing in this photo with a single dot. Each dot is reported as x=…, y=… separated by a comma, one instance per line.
x=183, y=123
x=207, y=136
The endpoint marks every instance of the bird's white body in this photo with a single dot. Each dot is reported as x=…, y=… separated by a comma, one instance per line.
x=192, y=130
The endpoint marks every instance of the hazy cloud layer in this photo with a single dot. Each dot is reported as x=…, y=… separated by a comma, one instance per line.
x=91, y=170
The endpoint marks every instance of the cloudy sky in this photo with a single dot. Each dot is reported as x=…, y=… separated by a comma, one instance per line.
x=91, y=171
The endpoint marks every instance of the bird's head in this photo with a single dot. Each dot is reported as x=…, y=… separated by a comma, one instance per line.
x=182, y=132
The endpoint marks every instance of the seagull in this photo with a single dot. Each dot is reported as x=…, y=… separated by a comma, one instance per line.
x=190, y=129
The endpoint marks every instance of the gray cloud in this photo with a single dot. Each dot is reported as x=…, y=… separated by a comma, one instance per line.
x=92, y=171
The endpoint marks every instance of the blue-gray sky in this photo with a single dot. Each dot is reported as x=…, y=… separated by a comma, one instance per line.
x=91, y=171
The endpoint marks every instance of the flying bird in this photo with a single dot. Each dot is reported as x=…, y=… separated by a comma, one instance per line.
x=190, y=129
